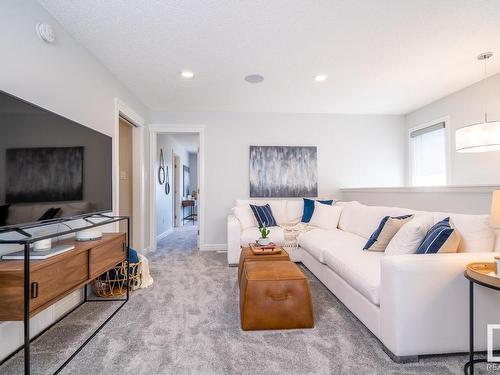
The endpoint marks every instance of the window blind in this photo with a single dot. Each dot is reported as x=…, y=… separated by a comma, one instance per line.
x=428, y=129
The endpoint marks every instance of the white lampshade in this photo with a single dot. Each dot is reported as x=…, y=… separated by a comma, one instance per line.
x=495, y=209
x=479, y=137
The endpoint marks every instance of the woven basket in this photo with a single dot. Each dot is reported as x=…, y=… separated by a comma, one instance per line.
x=110, y=284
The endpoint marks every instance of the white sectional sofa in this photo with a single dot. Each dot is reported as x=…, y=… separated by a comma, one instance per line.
x=415, y=304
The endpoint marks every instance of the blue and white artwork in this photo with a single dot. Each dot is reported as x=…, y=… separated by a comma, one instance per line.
x=283, y=171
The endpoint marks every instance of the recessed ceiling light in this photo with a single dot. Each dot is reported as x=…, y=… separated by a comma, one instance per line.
x=320, y=77
x=187, y=74
x=254, y=78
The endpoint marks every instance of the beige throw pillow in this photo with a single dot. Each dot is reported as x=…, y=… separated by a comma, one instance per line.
x=386, y=230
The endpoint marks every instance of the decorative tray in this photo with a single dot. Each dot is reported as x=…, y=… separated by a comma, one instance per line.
x=484, y=272
x=265, y=250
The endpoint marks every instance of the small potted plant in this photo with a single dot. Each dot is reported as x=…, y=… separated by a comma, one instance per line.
x=264, y=236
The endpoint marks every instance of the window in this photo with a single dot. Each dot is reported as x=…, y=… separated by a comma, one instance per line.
x=428, y=155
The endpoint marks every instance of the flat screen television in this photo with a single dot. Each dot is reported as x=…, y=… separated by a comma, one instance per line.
x=50, y=166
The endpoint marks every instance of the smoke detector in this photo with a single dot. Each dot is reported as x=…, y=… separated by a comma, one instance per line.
x=45, y=32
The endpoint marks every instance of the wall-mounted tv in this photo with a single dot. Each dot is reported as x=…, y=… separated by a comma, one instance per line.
x=50, y=166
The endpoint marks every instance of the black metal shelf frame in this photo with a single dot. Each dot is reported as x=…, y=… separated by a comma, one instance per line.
x=26, y=241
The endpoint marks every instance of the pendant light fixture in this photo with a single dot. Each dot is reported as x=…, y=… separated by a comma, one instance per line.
x=481, y=137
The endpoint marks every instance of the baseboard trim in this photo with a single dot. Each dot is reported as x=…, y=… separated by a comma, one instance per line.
x=164, y=234
x=214, y=247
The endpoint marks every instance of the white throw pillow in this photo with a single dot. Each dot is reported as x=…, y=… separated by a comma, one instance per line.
x=325, y=216
x=477, y=236
x=410, y=236
x=245, y=216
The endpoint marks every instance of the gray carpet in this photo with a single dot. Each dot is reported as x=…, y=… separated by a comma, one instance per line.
x=188, y=323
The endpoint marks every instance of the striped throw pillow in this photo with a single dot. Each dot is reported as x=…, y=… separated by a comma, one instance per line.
x=387, y=229
x=264, y=215
x=441, y=238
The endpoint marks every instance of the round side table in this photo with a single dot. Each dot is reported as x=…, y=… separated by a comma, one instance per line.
x=482, y=274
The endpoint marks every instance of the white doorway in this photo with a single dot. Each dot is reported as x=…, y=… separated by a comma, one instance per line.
x=177, y=197
x=124, y=114
x=183, y=193
x=125, y=168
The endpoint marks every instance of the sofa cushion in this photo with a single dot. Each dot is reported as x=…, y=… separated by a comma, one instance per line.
x=410, y=236
x=294, y=210
x=264, y=215
x=363, y=220
x=250, y=235
x=278, y=206
x=309, y=205
x=360, y=269
x=325, y=216
x=441, y=238
x=317, y=241
x=384, y=233
x=245, y=216
x=477, y=235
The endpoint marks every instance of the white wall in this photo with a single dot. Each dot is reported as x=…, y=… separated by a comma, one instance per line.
x=168, y=143
x=353, y=151
x=466, y=107
x=63, y=78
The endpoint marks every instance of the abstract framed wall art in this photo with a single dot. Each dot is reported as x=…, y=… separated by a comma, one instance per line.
x=283, y=171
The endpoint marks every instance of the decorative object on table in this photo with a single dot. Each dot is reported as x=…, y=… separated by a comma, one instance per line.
x=42, y=245
x=161, y=169
x=483, y=136
x=90, y=234
x=283, y=171
x=113, y=282
x=58, y=172
x=264, y=215
x=264, y=236
x=185, y=180
x=269, y=249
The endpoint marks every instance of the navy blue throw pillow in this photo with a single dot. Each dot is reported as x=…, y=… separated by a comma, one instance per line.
x=441, y=238
x=264, y=215
x=309, y=208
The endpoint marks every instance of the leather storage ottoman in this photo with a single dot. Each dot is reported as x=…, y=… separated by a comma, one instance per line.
x=274, y=295
x=247, y=255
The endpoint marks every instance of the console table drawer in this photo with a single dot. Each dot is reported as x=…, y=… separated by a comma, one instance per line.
x=106, y=256
x=49, y=282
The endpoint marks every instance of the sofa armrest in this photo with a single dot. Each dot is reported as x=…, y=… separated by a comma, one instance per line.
x=424, y=304
x=233, y=240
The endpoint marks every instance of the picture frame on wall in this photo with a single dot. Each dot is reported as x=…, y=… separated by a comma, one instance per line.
x=283, y=171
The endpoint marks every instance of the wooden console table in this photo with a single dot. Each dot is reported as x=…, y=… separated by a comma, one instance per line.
x=54, y=278
x=29, y=286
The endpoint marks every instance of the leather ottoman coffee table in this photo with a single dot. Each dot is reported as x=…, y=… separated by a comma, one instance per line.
x=247, y=255
x=274, y=295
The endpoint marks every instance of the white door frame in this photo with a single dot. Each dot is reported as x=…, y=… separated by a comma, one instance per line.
x=154, y=130
x=138, y=211
x=176, y=202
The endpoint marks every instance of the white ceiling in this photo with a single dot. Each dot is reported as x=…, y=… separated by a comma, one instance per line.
x=385, y=56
